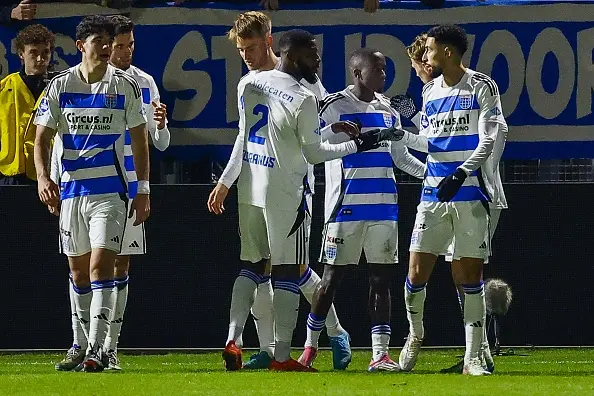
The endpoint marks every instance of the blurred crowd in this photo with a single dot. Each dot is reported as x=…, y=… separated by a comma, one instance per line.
x=26, y=9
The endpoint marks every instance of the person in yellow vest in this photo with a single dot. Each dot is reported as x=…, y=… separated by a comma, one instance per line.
x=19, y=94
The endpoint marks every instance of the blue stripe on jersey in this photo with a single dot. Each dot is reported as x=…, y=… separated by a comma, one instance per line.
x=367, y=160
x=70, y=100
x=370, y=120
x=370, y=186
x=127, y=138
x=453, y=143
x=132, y=189
x=88, y=142
x=129, y=163
x=367, y=212
x=104, y=158
x=466, y=193
x=99, y=185
x=451, y=103
x=146, y=95
x=444, y=169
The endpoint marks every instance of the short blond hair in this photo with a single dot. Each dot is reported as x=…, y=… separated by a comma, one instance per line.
x=416, y=50
x=250, y=24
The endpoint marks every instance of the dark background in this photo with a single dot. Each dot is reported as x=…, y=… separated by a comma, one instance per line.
x=180, y=291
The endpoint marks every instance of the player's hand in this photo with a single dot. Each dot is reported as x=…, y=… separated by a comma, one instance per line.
x=216, y=198
x=404, y=105
x=55, y=210
x=448, y=187
x=350, y=128
x=370, y=5
x=160, y=114
x=141, y=204
x=48, y=191
x=25, y=11
x=271, y=5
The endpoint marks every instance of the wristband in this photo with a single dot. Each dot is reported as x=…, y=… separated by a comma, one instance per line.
x=144, y=187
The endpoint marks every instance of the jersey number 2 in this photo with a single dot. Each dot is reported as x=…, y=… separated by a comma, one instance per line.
x=262, y=110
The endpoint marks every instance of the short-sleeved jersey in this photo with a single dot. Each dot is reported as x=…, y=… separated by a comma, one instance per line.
x=361, y=186
x=150, y=93
x=91, y=120
x=277, y=116
x=450, y=120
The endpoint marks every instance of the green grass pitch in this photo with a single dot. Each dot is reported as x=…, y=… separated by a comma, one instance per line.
x=542, y=372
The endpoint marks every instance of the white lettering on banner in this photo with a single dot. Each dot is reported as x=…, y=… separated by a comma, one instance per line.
x=585, y=75
x=392, y=48
x=550, y=105
x=68, y=47
x=190, y=47
x=222, y=48
x=3, y=61
x=502, y=42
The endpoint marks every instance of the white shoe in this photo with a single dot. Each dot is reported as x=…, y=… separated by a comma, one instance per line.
x=384, y=363
x=474, y=368
x=114, y=362
x=410, y=352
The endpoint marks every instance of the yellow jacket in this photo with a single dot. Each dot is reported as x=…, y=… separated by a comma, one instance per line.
x=17, y=131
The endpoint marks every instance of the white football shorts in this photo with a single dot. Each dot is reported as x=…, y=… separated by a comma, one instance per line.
x=92, y=222
x=343, y=242
x=494, y=221
x=437, y=224
x=277, y=234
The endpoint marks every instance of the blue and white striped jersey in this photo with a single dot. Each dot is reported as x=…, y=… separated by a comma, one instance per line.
x=362, y=186
x=91, y=121
x=450, y=121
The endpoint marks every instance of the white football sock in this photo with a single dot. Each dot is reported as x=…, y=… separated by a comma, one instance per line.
x=117, y=317
x=315, y=324
x=264, y=316
x=380, y=340
x=78, y=333
x=474, y=319
x=309, y=283
x=101, y=307
x=286, y=306
x=414, y=298
x=242, y=299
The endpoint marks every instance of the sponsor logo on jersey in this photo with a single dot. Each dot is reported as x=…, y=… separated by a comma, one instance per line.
x=269, y=90
x=94, y=122
x=424, y=121
x=43, y=105
x=335, y=240
x=259, y=159
x=452, y=124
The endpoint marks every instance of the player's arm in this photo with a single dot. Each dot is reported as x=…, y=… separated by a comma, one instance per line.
x=309, y=136
x=405, y=161
x=490, y=124
x=157, y=123
x=136, y=122
x=46, y=120
x=333, y=130
x=233, y=168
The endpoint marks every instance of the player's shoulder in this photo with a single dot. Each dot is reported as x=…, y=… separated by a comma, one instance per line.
x=332, y=100
x=245, y=79
x=317, y=88
x=479, y=80
x=126, y=80
x=144, y=79
x=60, y=80
x=427, y=88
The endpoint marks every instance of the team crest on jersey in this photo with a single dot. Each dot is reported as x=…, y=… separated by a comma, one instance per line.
x=43, y=105
x=388, y=120
x=465, y=102
x=331, y=251
x=111, y=101
x=424, y=121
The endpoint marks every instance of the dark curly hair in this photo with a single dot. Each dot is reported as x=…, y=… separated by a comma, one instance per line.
x=94, y=24
x=452, y=35
x=121, y=24
x=33, y=35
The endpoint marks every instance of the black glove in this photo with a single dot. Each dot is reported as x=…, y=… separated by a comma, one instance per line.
x=404, y=105
x=371, y=139
x=449, y=186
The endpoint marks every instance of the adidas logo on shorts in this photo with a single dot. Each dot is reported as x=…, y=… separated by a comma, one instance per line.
x=116, y=239
x=134, y=245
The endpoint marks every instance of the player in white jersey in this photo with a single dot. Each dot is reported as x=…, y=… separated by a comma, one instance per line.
x=361, y=209
x=280, y=129
x=90, y=106
x=252, y=35
x=134, y=236
x=462, y=112
x=405, y=105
